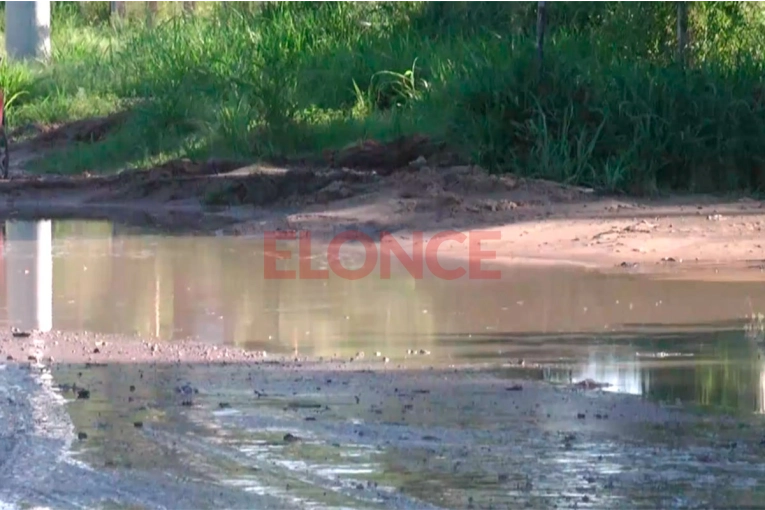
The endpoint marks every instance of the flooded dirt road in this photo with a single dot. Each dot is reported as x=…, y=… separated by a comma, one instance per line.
x=374, y=393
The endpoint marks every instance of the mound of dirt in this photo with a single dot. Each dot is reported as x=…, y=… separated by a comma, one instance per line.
x=410, y=176
x=89, y=130
x=383, y=158
x=232, y=183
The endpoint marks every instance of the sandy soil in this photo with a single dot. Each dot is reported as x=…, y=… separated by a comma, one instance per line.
x=405, y=186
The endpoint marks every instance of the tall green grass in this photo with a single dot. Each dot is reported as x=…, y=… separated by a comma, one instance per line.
x=267, y=80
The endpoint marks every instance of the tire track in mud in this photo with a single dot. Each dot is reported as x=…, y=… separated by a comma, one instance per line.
x=36, y=467
x=295, y=481
x=37, y=433
x=539, y=467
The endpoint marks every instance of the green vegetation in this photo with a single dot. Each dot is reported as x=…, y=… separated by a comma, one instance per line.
x=613, y=109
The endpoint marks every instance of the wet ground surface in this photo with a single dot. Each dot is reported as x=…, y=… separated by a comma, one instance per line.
x=432, y=393
x=282, y=437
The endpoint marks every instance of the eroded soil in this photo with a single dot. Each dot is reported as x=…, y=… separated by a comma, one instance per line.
x=406, y=185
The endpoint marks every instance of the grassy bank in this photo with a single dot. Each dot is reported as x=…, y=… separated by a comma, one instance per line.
x=261, y=81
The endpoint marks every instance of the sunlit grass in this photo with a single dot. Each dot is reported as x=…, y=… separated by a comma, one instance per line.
x=270, y=80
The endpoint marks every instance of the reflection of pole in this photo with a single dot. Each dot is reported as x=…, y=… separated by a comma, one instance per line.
x=157, y=296
x=44, y=275
x=29, y=271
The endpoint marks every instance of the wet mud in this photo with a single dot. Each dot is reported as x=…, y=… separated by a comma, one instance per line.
x=312, y=434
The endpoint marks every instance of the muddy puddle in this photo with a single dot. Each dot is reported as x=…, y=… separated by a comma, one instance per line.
x=467, y=419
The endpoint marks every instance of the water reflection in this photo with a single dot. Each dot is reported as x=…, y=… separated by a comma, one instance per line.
x=716, y=368
x=74, y=275
x=28, y=274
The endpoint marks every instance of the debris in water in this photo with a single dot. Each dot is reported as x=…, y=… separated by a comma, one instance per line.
x=589, y=384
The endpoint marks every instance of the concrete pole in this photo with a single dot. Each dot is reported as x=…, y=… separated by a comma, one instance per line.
x=29, y=274
x=27, y=30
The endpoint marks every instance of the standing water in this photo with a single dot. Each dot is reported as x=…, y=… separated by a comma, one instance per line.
x=672, y=341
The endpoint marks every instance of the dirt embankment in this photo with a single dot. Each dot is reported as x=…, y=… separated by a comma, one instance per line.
x=406, y=185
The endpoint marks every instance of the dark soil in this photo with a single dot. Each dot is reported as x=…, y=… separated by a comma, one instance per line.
x=358, y=169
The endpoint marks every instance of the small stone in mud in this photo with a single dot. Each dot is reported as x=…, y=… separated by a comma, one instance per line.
x=17, y=333
x=424, y=352
x=96, y=350
x=138, y=424
x=82, y=436
x=290, y=438
x=310, y=418
x=186, y=389
x=224, y=405
x=132, y=388
x=515, y=387
x=187, y=403
x=83, y=394
x=9, y=358
x=419, y=162
x=580, y=416
x=359, y=486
